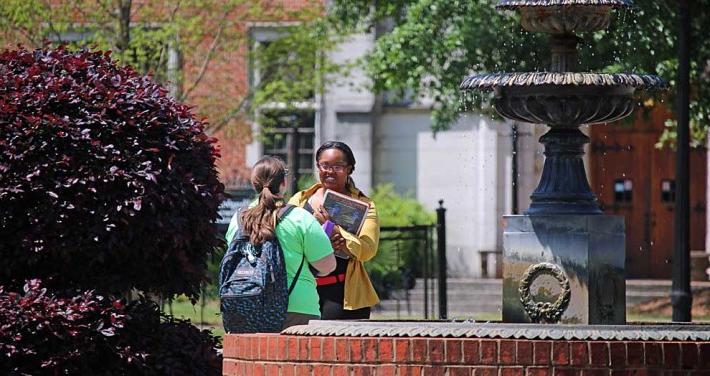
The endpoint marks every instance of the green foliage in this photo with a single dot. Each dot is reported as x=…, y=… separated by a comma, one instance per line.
x=189, y=44
x=394, y=209
x=434, y=44
x=397, y=263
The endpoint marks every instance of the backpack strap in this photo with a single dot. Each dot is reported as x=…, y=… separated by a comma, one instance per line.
x=298, y=273
x=281, y=214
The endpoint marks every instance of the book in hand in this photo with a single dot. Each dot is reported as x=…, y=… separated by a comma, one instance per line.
x=345, y=211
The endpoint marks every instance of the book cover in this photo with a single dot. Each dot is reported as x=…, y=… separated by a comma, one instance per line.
x=345, y=211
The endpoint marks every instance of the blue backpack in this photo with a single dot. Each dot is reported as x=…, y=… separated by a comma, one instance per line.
x=252, y=284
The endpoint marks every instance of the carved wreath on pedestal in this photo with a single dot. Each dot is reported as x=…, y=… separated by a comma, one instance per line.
x=544, y=312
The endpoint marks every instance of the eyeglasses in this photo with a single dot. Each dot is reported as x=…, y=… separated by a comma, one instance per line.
x=331, y=168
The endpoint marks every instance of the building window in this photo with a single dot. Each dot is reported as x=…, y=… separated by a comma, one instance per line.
x=623, y=191
x=668, y=191
x=291, y=136
x=287, y=129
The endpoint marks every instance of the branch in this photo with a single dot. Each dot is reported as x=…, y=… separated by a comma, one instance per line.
x=244, y=103
x=208, y=58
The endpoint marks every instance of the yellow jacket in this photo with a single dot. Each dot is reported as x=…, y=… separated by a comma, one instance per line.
x=359, y=292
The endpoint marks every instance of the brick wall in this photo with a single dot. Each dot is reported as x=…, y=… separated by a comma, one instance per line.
x=281, y=355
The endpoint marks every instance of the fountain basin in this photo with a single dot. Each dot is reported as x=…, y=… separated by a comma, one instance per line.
x=563, y=99
x=462, y=348
x=564, y=16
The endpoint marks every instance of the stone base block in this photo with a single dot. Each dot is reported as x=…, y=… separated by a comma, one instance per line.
x=565, y=269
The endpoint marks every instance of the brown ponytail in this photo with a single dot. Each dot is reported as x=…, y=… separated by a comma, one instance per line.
x=267, y=176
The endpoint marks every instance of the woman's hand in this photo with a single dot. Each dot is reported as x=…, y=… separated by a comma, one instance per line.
x=321, y=214
x=338, y=242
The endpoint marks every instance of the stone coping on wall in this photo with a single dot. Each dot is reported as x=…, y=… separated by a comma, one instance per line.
x=640, y=331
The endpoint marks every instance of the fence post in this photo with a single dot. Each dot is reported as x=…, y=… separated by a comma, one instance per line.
x=441, y=249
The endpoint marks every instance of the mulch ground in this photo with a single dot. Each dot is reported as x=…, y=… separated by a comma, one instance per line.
x=662, y=306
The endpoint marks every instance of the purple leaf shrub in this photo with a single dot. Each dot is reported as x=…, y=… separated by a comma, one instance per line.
x=106, y=182
x=83, y=333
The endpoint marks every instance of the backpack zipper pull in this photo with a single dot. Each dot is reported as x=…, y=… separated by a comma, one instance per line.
x=273, y=278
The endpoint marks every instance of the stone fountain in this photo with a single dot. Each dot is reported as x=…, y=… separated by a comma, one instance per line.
x=563, y=260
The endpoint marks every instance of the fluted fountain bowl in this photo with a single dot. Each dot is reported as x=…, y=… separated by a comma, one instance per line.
x=563, y=99
x=564, y=16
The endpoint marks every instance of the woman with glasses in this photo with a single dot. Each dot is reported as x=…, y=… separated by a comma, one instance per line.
x=347, y=292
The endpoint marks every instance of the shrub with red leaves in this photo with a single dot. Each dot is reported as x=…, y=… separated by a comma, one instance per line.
x=44, y=334
x=41, y=333
x=106, y=182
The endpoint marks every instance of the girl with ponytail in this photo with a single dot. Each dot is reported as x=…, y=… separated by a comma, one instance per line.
x=299, y=234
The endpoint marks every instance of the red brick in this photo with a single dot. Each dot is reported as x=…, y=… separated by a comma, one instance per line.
x=433, y=371
x=401, y=350
x=292, y=352
x=288, y=370
x=264, y=347
x=254, y=346
x=704, y=355
x=507, y=352
x=258, y=368
x=470, y=351
x=653, y=353
x=342, y=349
x=321, y=370
x=671, y=355
x=230, y=346
x=303, y=369
x=617, y=354
x=436, y=350
x=272, y=369
x=362, y=370
x=410, y=370
x=229, y=367
x=242, y=368
x=485, y=371
x=328, y=349
x=690, y=355
x=386, y=370
x=386, y=350
x=419, y=351
x=560, y=353
x=316, y=344
x=459, y=371
x=340, y=370
x=579, y=355
x=625, y=372
x=453, y=351
x=634, y=353
x=489, y=352
x=512, y=371
x=599, y=353
x=370, y=350
x=304, y=346
x=270, y=353
x=538, y=371
x=356, y=350
x=542, y=351
x=566, y=371
x=525, y=353
x=596, y=372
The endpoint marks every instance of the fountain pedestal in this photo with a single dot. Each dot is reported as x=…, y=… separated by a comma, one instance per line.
x=564, y=269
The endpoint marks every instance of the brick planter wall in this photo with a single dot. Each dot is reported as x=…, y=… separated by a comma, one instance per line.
x=285, y=355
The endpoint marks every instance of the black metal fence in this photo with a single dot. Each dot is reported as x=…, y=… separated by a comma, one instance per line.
x=413, y=250
x=420, y=251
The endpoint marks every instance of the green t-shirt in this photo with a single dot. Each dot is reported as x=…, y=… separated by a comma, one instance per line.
x=299, y=233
